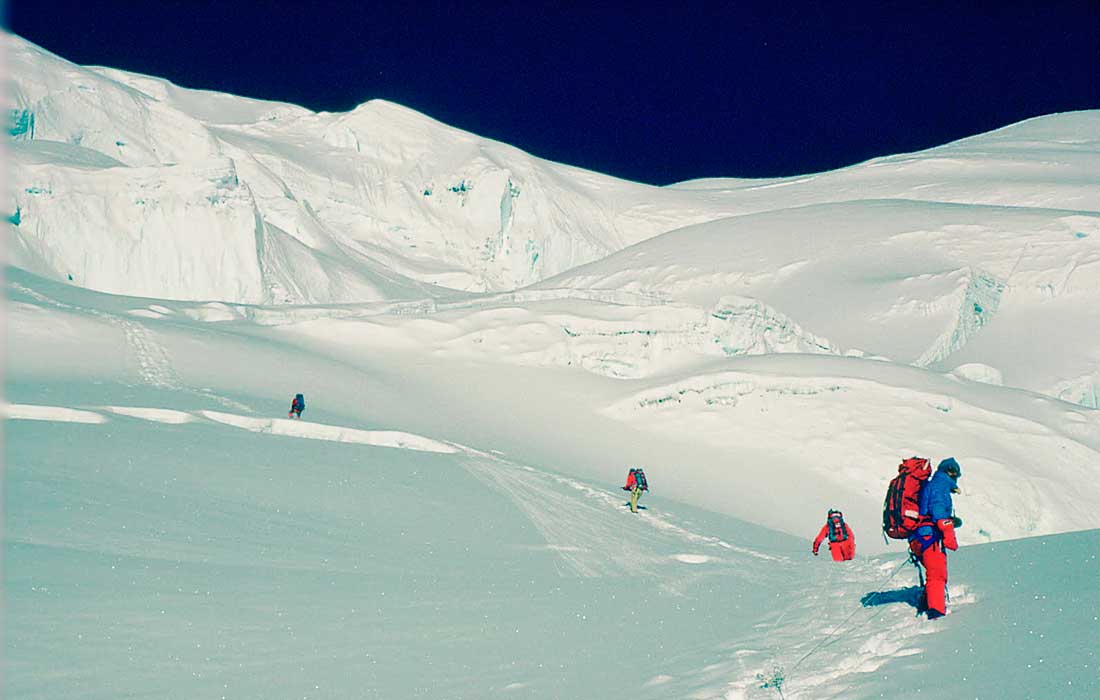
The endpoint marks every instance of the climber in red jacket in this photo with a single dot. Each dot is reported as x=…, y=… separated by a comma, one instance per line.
x=842, y=542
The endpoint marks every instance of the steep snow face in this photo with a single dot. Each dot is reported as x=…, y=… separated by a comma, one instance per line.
x=380, y=190
x=189, y=231
x=372, y=202
x=54, y=100
x=187, y=227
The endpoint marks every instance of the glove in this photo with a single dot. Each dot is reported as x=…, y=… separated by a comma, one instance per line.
x=815, y=552
x=947, y=527
x=626, y=488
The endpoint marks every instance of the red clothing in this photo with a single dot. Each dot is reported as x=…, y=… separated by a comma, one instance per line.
x=935, y=578
x=934, y=559
x=841, y=551
x=630, y=482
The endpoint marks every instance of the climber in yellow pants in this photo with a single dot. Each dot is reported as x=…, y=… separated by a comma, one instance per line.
x=635, y=484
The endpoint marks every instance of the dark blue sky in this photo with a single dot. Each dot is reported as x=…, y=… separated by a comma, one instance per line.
x=653, y=95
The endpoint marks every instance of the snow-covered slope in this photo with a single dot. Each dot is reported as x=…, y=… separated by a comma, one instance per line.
x=167, y=533
x=355, y=206
x=446, y=521
x=532, y=381
x=1047, y=162
x=315, y=207
x=938, y=285
x=980, y=255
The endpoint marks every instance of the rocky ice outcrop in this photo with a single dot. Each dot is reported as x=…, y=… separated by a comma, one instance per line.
x=1084, y=391
x=743, y=326
x=628, y=341
x=978, y=294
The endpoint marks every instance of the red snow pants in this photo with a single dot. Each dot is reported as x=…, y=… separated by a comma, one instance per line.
x=935, y=582
x=843, y=551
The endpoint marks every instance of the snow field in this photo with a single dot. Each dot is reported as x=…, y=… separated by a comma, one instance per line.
x=486, y=342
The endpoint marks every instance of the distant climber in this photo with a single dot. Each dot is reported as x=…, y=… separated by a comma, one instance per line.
x=842, y=541
x=937, y=534
x=635, y=484
x=297, y=406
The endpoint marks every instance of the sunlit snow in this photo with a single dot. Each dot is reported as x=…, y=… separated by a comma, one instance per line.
x=486, y=342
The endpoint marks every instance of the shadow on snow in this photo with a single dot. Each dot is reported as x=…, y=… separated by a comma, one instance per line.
x=910, y=596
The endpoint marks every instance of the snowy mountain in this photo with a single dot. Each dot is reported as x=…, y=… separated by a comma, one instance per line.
x=486, y=341
x=215, y=197
x=999, y=293
x=128, y=184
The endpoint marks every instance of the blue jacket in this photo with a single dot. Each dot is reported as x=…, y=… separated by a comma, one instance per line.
x=935, y=497
x=935, y=502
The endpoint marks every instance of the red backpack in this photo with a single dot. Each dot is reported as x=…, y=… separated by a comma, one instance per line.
x=901, y=510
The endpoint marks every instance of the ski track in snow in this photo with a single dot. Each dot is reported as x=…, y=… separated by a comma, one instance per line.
x=853, y=638
x=595, y=541
x=154, y=363
x=592, y=541
x=661, y=522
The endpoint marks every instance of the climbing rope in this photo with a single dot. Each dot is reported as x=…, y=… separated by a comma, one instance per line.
x=832, y=636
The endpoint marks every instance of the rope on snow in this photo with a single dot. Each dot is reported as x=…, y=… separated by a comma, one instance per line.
x=839, y=626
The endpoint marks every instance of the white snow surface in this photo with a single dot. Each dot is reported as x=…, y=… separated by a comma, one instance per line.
x=486, y=341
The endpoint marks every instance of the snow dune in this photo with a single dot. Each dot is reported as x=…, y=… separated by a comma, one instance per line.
x=315, y=431
x=278, y=426
x=50, y=413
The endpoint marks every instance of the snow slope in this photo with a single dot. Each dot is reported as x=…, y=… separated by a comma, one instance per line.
x=166, y=536
x=936, y=285
x=980, y=254
x=486, y=342
x=313, y=207
x=740, y=425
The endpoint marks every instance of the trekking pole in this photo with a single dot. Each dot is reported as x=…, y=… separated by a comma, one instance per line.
x=920, y=572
